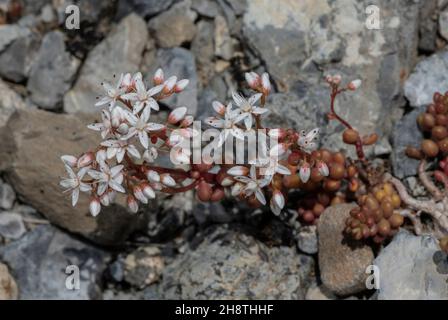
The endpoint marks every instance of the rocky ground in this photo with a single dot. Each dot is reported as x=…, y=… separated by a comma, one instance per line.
x=178, y=247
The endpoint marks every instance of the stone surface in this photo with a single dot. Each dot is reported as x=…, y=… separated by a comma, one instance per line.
x=145, y=8
x=408, y=269
x=307, y=239
x=316, y=292
x=443, y=24
x=428, y=26
x=229, y=265
x=11, y=225
x=223, y=41
x=17, y=58
x=202, y=47
x=330, y=37
x=32, y=143
x=52, y=73
x=9, y=33
x=120, y=52
x=175, y=26
x=45, y=253
x=7, y=195
x=430, y=75
x=405, y=133
x=8, y=286
x=9, y=102
x=180, y=62
x=342, y=262
x=143, y=267
x=206, y=8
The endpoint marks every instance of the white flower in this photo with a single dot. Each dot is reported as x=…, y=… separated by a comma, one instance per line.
x=74, y=183
x=112, y=94
x=253, y=185
x=69, y=160
x=108, y=177
x=105, y=126
x=143, y=98
x=305, y=140
x=228, y=124
x=129, y=82
x=150, y=155
x=248, y=108
x=140, y=126
x=118, y=148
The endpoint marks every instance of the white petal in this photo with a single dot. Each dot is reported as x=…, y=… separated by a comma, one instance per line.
x=69, y=160
x=238, y=171
x=143, y=138
x=260, y=196
x=116, y=186
x=75, y=196
x=115, y=170
x=95, y=207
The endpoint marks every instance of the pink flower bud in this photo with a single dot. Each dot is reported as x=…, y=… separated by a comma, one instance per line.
x=69, y=160
x=148, y=191
x=219, y=107
x=181, y=85
x=158, y=77
x=132, y=204
x=139, y=195
x=86, y=159
x=322, y=168
x=252, y=79
x=95, y=206
x=187, y=121
x=265, y=83
x=238, y=171
x=329, y=79
x=278, y=199
x=153, y=176
x=337, y=79
x=177, y=115
x=169, y=84
x=355, y=84
x=305, y=172
x=167, y=180
x=105, y=199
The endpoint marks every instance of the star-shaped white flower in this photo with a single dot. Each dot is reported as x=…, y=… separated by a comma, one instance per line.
x=140, y=126
x=74, y=183
x=108, y=177
x=253, y=185
x=143, y=98
x=229, y=125
x=112, y=94
x=118, y=148
x=248, y=108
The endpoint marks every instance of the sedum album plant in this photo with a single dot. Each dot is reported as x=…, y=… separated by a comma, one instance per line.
x=285, y=169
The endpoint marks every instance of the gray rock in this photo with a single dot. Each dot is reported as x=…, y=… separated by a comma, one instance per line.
x=406, y=133
x=223, y=41
x=175, y=26
x=143, y=267
x=11, y=225
x=52, y=73
x=316, y=292
x=408, y=270
x=331, y=36
x=428, y=26
x=212, y=212
x=120, y=52
x=430, y=75
x=9, y=102
x=202, y=47
x=11, y=32
x=342, y=262
x=180, y=62
x=145, y=8
x=8, y=286
x=17, y=58
x=34, y=6
x=39, y=261
x=238, y=6
x=7, y=196
x=443, y=24
x=205, y=8
x=228, y=265
x=307, y=239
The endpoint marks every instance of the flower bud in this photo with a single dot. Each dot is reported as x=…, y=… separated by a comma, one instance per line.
x=181, y=85
x=153, y=176
x=177, y=115
x=132, y=204
x=95, y=206
x=265, y=83
x=252, y=79
x=219, y=107
x=105, y=199
x=238, y=171
x=167, y=180
x=187, y=121
x=305, y=172
x=86, y=159
x=158, y=77
x=169, y=84
x=355, y=84
x=278, y=199
x=69, y=160
x=139, y=195
x=323, y=168
x=337, y=79
x=148, y=191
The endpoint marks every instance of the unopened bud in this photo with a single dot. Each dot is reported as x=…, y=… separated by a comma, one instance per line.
x=177, y=115
x=95, y=206
x=158, y=77
x=167, y=180
x=69, y=160
x=132, y=204
x=305, y=172
x=86, y=159
x=238, y=171
x=181, y=85
x=355, y=84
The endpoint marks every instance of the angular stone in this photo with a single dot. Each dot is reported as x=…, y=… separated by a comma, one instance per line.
x=443, y=24
x=228, y=265
x=223, y=41
x=9, y=102
x=307, y=239
x=202, y=47
x=52, y=73
x=7, y=196
x=143, y=267
x=430, y=75
x=11, y=225
x=120, y=52
x=180, y=62
x=39, y=264
x=145, y=8
x=175, y=26
x=8, y=286
x=11, y=32
x=342, y=262
x=32, y=143
x=205, y=8
x=406, y=133
x=410, y=269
